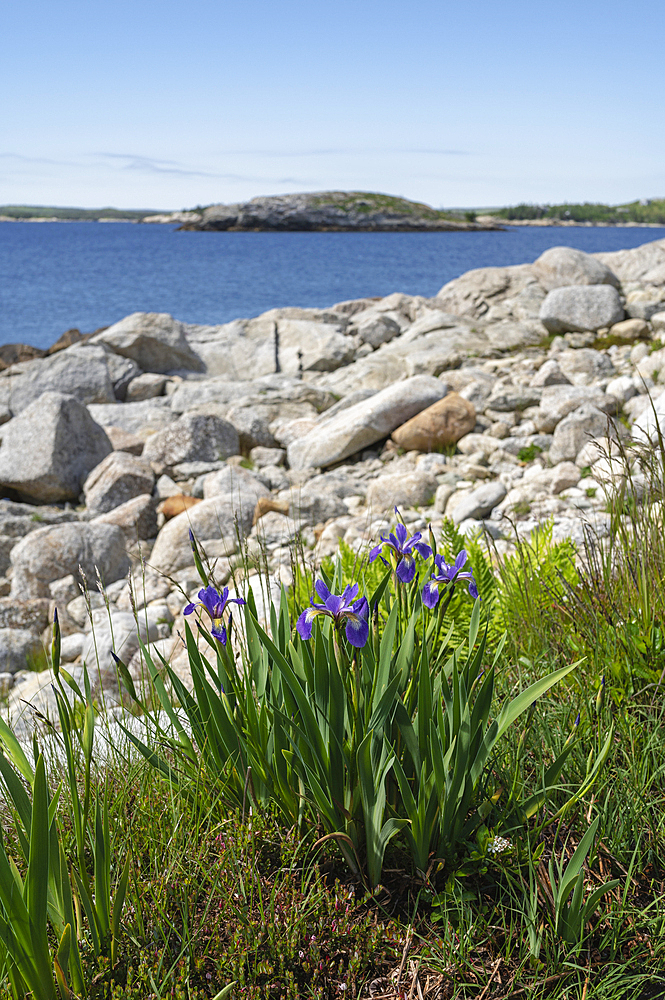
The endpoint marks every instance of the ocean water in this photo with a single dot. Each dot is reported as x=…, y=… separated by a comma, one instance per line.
x=54, y=276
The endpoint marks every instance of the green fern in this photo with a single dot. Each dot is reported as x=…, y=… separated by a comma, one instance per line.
x=450, y=543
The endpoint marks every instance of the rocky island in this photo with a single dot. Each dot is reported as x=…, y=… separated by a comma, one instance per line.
x=497, y=404
x=324, y=211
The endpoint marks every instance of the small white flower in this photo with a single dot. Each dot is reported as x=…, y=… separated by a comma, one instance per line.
x=498, y=845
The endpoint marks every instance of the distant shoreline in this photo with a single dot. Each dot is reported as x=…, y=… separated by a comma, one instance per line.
x=499, y=223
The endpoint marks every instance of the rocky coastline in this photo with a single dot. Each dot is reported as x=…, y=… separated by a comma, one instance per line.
x=496, y=403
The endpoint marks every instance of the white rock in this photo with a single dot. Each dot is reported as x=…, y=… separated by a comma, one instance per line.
x=563, y=266
x=622, y=387
x=658, y=323
x=402, y=490
x=585, y=366
x=484, y=443
x=137, y=518
x=575, y=430
x=365, y=423
x=479, y=503
x=581, y=307
x=72, y=646
x=141, y=418
x=442, y=496
x=559, y=400
x=145, y=386
x=549, y=373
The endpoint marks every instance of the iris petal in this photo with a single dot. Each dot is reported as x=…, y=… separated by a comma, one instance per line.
x=188, y=610
x=401, y=533
x=461, y=559
x=322, y=590
x=375, y=553
x=406, y=569
x=357, y=631
x=304, y=625
x=430, y=594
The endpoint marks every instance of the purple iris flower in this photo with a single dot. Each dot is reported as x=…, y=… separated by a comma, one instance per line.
x=402, y=549
x=341, y=609
x=444, y=574
x=214, y=603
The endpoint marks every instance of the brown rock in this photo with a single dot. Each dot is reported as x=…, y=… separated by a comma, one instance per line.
x=173, y=506
x=12, y=354
x=441, y=424
x=265, y=504
x=68, y=338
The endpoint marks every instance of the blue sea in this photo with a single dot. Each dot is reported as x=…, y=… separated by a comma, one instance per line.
x=54, y=276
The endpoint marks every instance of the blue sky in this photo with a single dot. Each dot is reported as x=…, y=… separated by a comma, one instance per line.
x=172, y=104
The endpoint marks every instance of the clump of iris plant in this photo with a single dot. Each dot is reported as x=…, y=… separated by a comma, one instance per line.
x=444, y=574
x=343, y=609
x=215, y=604
x=400, y=550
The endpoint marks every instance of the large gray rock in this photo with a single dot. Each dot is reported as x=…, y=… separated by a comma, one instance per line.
x=564, y=266
x=411, y=489
x=367, y=422
x=307, y=340
x=118, y=478
x=475, y=292
x=194, y=437
x=48, y=451
x=479, y=503
x=81, y=371
x=155, y=341
x=581, y=307
x=217, y=518
x=575, y=430
x=19, y=649
x=50, y=553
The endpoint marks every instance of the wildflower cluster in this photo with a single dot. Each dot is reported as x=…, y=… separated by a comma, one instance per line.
x=345, y=610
